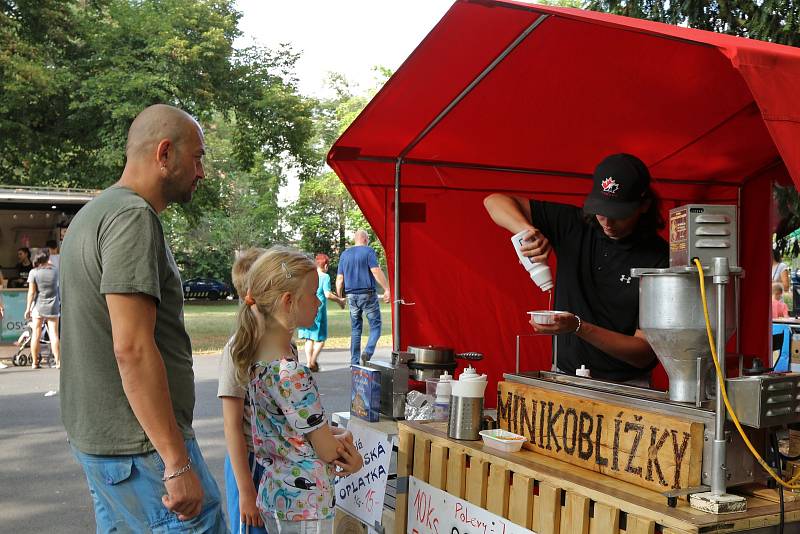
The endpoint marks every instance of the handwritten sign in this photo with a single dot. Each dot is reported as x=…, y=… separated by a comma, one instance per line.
x=645, y=448
x=433, y=511
x=362, y=493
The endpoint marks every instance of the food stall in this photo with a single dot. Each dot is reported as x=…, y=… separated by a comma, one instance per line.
x=524, y=99
x=29, y=217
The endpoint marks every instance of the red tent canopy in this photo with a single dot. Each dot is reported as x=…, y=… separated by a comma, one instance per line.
x=526, y=99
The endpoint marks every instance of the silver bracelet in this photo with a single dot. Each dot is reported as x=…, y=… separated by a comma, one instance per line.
x=577, y=329
x=182, y=471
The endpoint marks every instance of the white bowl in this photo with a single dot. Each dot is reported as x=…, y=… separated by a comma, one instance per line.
x=545, y=316
x=502, y=440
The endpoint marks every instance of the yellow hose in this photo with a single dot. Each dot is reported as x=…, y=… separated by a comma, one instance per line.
x=721, y=390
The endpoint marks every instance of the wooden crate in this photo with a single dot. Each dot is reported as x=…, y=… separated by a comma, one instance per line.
x=553, y=497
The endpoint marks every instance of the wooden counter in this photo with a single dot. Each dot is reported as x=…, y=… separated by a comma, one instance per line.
x=553, y=497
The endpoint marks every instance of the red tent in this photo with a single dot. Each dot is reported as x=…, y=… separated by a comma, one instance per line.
x=526, y=99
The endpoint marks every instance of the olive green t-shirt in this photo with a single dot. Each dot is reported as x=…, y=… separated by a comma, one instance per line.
x=115, y=244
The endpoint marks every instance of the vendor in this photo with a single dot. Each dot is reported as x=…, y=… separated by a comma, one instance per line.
x=23, y=267
x=596, y=248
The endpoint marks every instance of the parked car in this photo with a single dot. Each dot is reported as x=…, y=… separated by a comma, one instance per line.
x=205, y=288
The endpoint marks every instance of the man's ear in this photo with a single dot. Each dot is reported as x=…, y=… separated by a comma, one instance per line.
x=163, y=152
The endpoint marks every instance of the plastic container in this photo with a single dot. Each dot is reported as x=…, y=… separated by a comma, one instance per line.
x=539, y=272
x=583, y=371
x=502, y=440
x=545, y=316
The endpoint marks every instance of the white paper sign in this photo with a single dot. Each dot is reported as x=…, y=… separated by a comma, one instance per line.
x=362, y=493
x=433, y=511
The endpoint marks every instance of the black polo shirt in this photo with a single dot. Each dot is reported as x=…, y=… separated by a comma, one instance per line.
x=593, y=281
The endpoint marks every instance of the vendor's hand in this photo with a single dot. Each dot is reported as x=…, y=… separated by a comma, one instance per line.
x=248, y=511
x=535, y=245
x=350, y=461
x=565, y=323
x=387, y=297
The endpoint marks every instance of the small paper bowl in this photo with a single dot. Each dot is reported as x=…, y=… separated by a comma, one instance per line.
x=545, y=316
x=502, y=440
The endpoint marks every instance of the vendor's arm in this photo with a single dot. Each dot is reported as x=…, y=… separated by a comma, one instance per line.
x=514, y=214
x=634, y=350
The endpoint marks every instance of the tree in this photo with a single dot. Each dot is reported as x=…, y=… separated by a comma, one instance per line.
x=325, y=215
x=89, y=67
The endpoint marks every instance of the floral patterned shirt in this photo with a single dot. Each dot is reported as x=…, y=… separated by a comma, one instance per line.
x=296, y=484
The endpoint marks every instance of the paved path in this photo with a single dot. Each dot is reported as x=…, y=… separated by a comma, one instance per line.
x=42, y=488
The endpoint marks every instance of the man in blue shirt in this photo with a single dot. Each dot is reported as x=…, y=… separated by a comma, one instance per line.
x=357, y=273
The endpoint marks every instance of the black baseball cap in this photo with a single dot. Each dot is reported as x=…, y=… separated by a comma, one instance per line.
x=620, y=185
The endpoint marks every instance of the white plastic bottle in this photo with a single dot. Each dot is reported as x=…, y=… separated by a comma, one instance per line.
x=441, y=407
x=540, y=272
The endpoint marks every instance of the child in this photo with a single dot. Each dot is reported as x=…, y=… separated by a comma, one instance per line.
x=292, y=439
x=779, y=308
x=241, y=472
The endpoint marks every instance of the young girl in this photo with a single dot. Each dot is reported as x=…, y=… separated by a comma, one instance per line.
x=779, y=308
x=291, y=436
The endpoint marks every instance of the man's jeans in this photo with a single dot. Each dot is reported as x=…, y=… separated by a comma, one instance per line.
x=363, y=303
x=126, y=492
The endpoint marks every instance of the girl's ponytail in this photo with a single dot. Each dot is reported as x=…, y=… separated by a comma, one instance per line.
x=279, y=270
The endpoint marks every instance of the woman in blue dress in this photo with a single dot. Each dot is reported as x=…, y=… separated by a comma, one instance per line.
x=316, y=335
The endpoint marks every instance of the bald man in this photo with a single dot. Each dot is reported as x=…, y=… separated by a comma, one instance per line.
x=127, y=385
x=358, y=271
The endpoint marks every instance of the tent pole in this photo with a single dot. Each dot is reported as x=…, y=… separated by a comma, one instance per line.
x=396, y=301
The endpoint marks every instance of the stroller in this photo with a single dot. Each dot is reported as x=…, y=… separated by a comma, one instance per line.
x=23, y=356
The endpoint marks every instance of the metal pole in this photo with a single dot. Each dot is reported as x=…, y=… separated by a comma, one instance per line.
x=721, y=272
x=396, y=300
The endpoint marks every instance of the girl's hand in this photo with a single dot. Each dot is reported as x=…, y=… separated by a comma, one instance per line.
x=249, y=514
x=349, y=461
x=28, y=315
x=342, y=434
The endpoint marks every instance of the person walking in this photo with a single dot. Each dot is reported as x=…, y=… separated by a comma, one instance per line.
x=316, y=334
x=358, y=271
x=127, y=384
x=43, y=305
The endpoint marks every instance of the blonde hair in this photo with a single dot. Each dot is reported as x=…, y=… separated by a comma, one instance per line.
x=776, y=287
x=244, y=260
x=277, y=271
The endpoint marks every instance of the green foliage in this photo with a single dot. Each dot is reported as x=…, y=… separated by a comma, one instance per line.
x=74, y=74
x=786, y=238
x=325, y=215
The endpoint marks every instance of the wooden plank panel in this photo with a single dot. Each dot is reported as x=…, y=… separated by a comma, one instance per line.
x=456, y=473
x=605, y=520
x=649, y=449
x=548, y=509
x=638, y=525
x=497, y=498
x=405, y=452
x=438, y=471
x=477, y=475
x=575, y=519
x=422, y=458
x=521, y=501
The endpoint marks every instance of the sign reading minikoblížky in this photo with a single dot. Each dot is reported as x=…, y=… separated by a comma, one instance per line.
x=647, y=449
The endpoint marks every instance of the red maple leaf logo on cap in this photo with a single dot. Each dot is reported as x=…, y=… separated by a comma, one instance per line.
x=609, y=185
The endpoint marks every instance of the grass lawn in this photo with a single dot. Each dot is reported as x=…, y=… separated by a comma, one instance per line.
x=211, y=324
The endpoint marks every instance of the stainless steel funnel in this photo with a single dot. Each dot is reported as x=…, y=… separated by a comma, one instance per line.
x=671, y=317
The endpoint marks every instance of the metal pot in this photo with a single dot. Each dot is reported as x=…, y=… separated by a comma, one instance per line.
x=431, y=361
